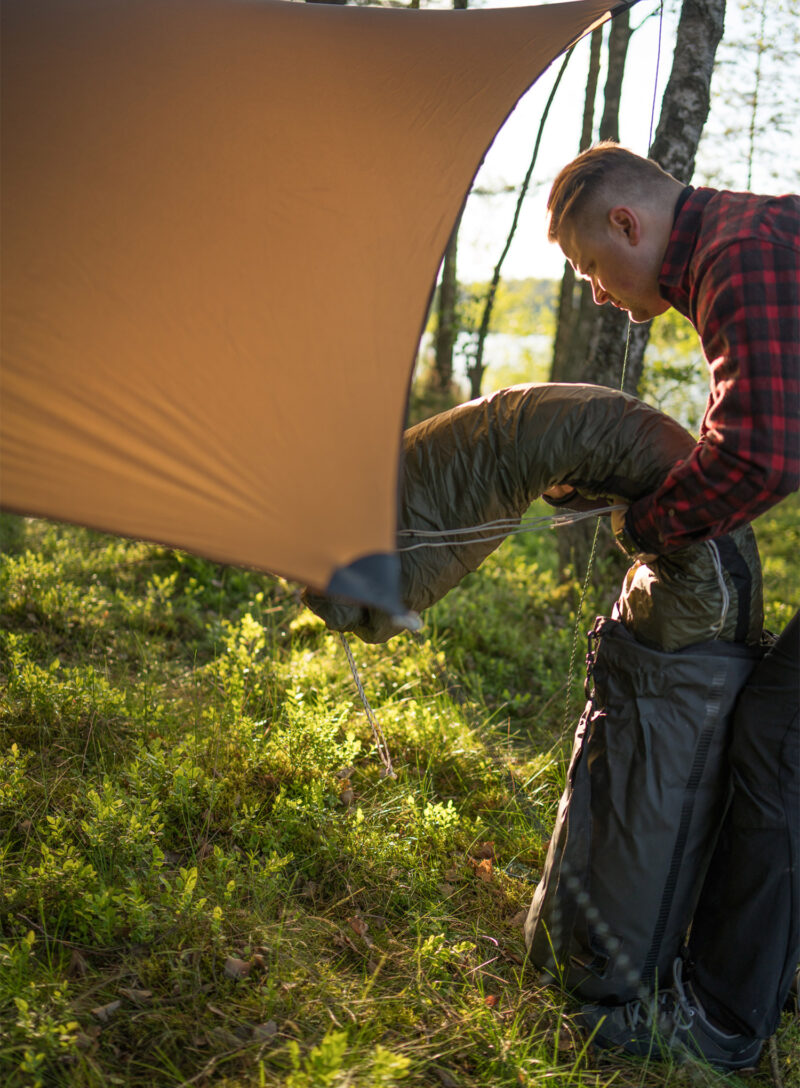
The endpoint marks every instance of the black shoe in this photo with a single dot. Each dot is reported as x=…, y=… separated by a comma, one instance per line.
x=670, y=1025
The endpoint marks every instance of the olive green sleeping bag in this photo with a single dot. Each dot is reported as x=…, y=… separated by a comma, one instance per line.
x=488, y=459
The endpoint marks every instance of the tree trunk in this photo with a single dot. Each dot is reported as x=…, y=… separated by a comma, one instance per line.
x=687, y=98
x=446, y=318
x=447, y=313
x=595, y=50
x=619, y=35
x=574, y=300
x=603, y=337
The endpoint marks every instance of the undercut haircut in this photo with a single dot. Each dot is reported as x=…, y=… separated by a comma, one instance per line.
x=605, y=167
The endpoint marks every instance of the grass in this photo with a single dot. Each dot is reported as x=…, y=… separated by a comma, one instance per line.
x=204, y=879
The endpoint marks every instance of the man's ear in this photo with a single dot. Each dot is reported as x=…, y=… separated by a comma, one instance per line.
x=625, y=221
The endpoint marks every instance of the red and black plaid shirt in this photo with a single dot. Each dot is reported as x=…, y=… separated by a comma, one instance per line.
x=732, y=267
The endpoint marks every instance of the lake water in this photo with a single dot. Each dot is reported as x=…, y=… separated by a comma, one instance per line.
x=509, y=359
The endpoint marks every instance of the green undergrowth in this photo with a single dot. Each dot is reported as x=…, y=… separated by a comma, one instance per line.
x=206, y=880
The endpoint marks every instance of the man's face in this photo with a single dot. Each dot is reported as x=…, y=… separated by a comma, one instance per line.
x=613, y=254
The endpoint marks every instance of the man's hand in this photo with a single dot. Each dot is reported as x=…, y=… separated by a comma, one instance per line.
x=558, y=492
x=624, y=539
x=618, y=520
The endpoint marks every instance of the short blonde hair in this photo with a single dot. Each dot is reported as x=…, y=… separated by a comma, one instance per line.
x=605, y=167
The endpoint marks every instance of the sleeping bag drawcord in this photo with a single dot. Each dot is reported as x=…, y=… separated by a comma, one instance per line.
x=717, y=628
x=380, y=741
x=505, y=527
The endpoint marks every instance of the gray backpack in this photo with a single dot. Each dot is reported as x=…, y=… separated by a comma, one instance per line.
x=646, y=791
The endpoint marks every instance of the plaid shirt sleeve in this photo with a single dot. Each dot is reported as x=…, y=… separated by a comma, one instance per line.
x=745, y=303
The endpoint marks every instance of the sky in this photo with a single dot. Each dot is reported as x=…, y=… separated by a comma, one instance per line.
x=487, y=219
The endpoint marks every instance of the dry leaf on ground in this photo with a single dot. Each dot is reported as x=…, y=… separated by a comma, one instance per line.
x=360, y=928
x=236, y=968
x=105, y=1012
x=484, y=870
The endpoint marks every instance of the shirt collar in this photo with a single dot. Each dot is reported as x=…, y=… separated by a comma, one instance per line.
x=686, y=223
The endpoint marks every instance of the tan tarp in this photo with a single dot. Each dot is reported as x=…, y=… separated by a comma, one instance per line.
x=221, y=222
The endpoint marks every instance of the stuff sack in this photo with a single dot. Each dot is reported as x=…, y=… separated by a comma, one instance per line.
x=646, y=790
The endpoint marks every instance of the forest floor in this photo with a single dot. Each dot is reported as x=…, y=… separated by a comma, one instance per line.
x=205, y=879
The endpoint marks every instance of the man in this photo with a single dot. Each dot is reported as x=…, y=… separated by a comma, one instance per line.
x=730, y=262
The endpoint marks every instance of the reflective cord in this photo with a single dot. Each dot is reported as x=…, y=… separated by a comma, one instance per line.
x=380, y=741
x=625, y=356
x=577, y=628
x=505, y=526
x=718, y=627
x=655, y=78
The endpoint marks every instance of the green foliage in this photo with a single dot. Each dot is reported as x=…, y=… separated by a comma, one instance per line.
x=751, y=133
x=517, y=348
x=322, y=1066
x=675, y=374
x=778, y=536
x=521, y=307
x=203, y=876
x=39, y=1031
